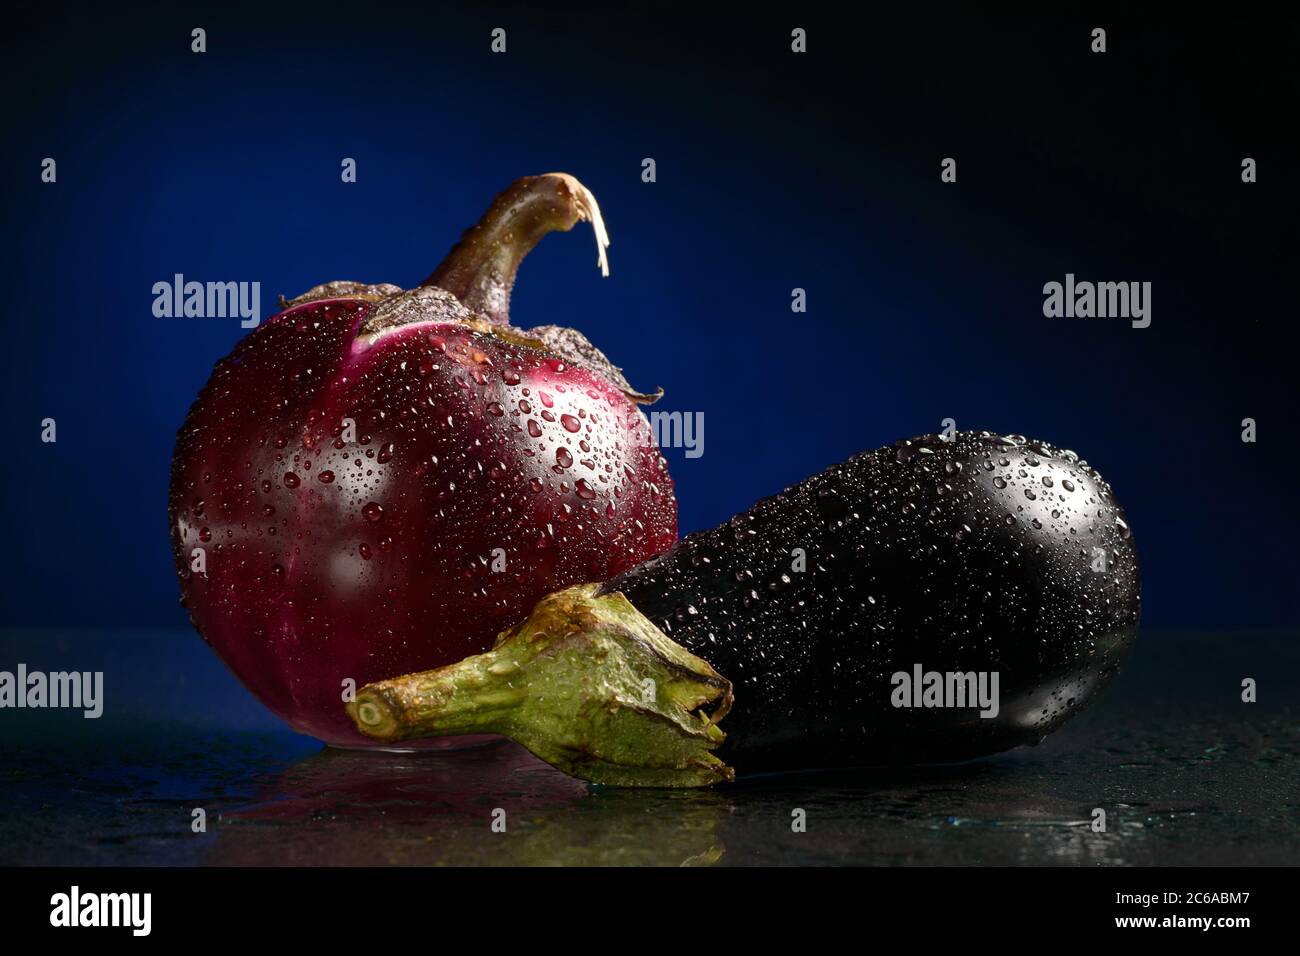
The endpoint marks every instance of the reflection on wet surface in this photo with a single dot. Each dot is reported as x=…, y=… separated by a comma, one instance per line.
x=1185, y=772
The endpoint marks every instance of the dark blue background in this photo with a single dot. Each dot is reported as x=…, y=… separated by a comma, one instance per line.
x=774, y=171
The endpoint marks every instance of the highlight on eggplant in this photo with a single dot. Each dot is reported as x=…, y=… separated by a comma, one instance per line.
x=944, y=598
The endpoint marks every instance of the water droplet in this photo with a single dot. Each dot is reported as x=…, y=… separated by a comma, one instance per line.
x=373, y=511
x=563, y=458
x=291, y=480
x=325, y=477
x=570, y=423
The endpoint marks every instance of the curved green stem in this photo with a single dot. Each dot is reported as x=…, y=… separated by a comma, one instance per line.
x=480, y=269
x=587, y=683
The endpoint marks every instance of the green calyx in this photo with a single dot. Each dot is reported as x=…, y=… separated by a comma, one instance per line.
x=587, y=683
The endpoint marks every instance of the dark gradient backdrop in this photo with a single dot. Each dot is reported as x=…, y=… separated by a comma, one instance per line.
x=774, y=171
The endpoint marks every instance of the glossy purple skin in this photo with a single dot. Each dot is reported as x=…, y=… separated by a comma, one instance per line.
x=483, y=475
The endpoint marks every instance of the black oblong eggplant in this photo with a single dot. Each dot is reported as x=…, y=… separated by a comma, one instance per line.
x=978, y=553
x=937, y=600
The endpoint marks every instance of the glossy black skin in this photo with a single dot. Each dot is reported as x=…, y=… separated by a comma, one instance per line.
x=930, y=551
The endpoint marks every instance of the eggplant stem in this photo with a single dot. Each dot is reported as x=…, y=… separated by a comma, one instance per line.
x=480, y=269
x=587, y=683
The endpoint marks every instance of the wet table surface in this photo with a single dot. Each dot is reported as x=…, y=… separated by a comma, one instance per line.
x=1186, y=772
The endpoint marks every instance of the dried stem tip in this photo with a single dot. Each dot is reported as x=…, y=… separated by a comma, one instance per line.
x=480, y=269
